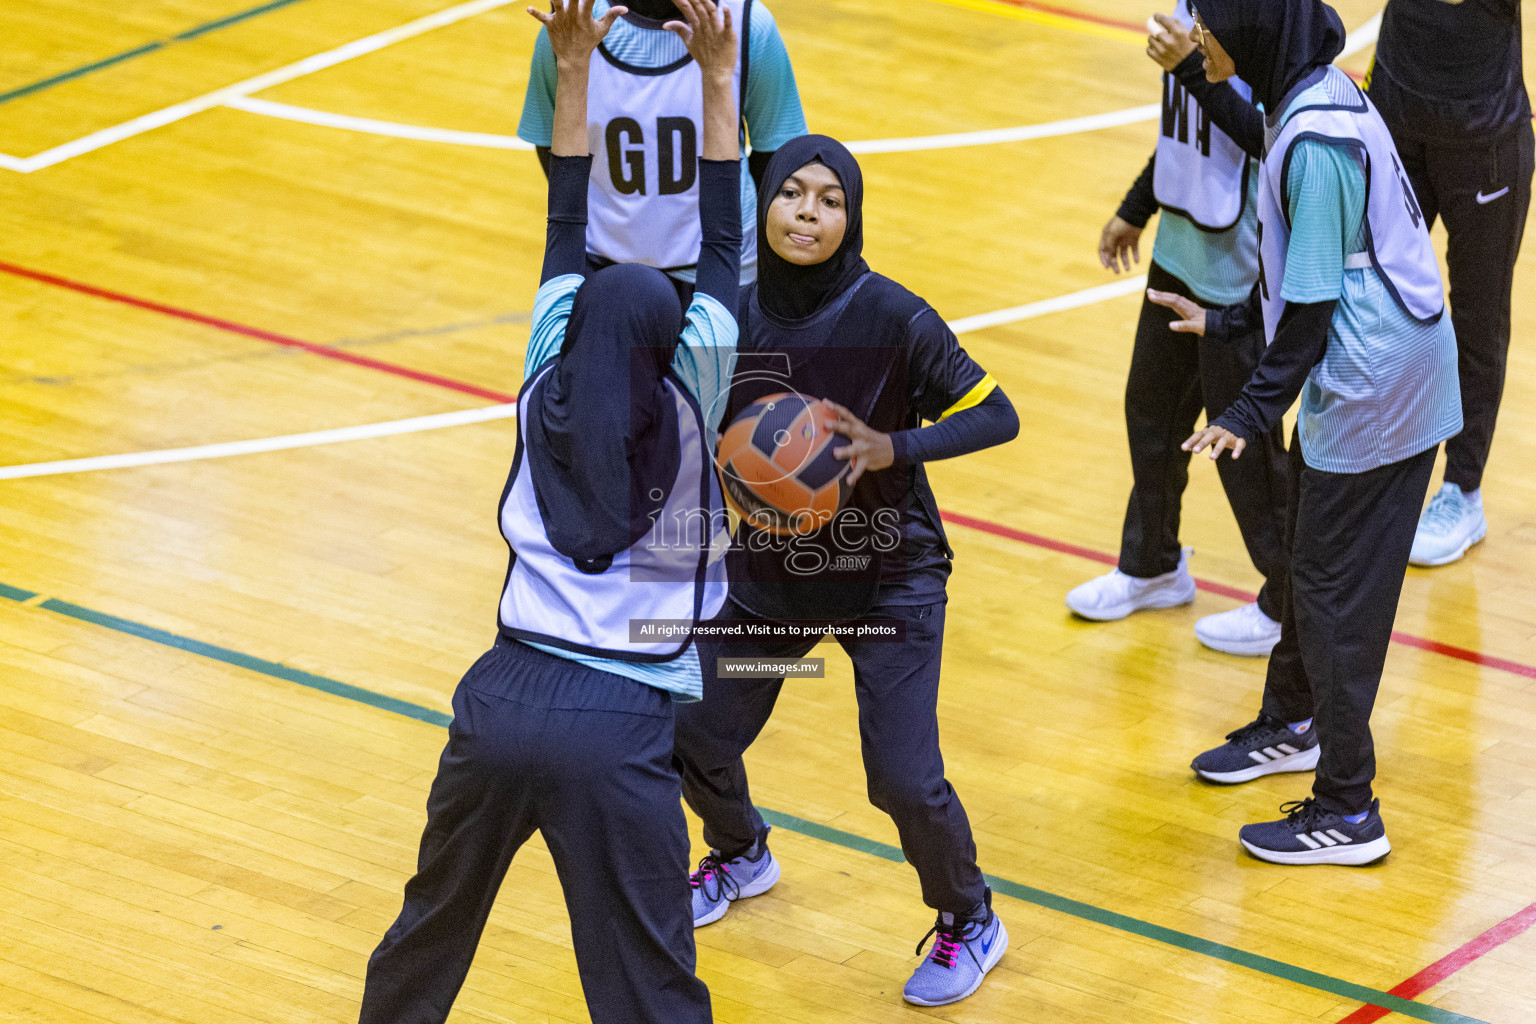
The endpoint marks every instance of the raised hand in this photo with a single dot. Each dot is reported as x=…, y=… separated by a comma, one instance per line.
x=573, y=32
x=1193, y=313
x=1170, y=44
x=1119, y=243
x=708, y=34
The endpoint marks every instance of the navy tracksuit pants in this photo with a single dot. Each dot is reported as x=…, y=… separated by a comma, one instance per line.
x=1482, y=191
x=1172, y=377
x=897, y=686
x=1351, y=534
x=585, y=757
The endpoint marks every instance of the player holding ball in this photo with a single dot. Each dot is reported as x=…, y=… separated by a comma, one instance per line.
x=819, y=324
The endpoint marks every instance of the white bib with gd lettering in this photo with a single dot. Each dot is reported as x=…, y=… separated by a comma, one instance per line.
x=645, y=129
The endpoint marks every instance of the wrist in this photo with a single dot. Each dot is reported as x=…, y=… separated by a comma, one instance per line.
x=1133, y=217
x=1229, y=422
x=573, y=65
x=1216, y=327
x=1190, y=69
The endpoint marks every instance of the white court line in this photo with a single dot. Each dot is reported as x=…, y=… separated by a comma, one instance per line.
x=1061, y=303
x=414, y=425
x=390, y=428
x=395, y=129
x=1020, y=133
x=1362, y=37
x=1356, y=41
x=326, y=119
x=307, y=66
x=233, y=95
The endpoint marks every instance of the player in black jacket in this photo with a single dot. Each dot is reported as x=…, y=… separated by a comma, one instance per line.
x=1448, y=81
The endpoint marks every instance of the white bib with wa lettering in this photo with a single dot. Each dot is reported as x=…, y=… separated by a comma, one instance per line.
x=645, y=129
x=1200, y=173
x=1397, y=242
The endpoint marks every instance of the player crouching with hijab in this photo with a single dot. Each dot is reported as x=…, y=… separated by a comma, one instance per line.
x=1353, y=310
x=565, y=726
x=820, y=323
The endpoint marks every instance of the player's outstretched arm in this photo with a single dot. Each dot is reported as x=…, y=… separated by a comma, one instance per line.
x=573, y=35
x=711, y=40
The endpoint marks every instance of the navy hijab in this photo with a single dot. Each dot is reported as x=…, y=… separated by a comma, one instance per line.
x=603, y=426
x=793, y=292
x=1274, y=43
x=659, y=11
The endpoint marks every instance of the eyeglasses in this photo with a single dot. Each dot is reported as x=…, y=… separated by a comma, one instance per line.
x=1199, y=30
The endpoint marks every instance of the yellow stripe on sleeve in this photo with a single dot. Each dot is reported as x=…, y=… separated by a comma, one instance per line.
x=973, y=397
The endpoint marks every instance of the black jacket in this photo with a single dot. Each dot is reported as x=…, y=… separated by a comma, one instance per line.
x=1450, y=72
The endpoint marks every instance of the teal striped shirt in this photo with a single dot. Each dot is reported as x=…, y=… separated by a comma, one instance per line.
x=1219, y=266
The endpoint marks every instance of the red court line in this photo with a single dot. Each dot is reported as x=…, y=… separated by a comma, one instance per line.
x=1462, y=653
x=997, y=529
x=1448, y=965
x=1409, y=989
x=340, y=355
x=1236, y=593
x=1067, y=12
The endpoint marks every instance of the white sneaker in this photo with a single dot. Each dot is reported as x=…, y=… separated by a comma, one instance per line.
x=1452, y=523
x=1115, y=595
x=1246, y=631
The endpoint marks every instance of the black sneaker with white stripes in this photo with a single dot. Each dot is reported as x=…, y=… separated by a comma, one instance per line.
x=1262, y=747
x=1311, y=835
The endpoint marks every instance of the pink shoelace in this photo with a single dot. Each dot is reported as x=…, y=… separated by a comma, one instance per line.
x=945, y=950
x=712, y=869
x=947, y=942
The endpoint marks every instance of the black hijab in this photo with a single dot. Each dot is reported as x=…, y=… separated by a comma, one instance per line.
x=1274, y=43
x=659, y=11
x=793, y=292
x=603, y=427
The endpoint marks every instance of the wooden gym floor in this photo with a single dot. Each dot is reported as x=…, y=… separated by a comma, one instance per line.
x=223, y=680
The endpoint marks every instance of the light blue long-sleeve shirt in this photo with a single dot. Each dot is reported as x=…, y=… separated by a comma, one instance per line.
x=703, y=364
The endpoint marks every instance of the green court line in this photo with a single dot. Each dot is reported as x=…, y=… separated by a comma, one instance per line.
x=266, y=668
x=194, y=32
x=837, y=837
x=790, y=823
x=232, y=19
x=15, y=593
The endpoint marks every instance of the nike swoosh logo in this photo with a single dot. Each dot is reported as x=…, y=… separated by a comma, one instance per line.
x=986, y=947
x=1482, y=199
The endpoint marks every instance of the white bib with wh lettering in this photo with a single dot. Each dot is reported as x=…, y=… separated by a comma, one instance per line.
x=1200, y=173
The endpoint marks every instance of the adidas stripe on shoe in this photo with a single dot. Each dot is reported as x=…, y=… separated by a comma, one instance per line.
x=1264, y=746
x=1311, y=835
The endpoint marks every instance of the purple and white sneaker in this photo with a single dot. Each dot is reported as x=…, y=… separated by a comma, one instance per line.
x=963, y=952
x=717, y=883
